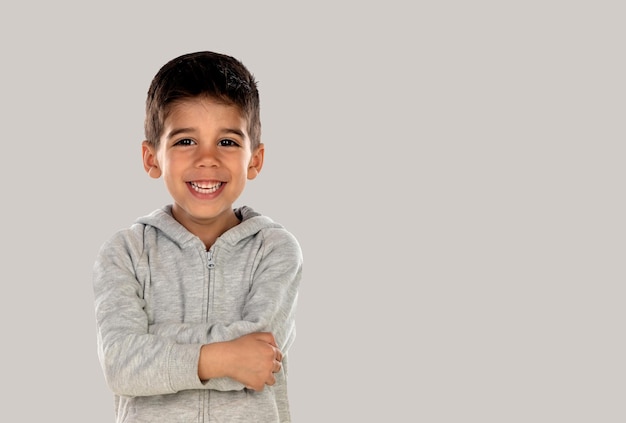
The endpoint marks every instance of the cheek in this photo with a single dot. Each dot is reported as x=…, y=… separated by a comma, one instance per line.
x=244, y=167
x=172, y=162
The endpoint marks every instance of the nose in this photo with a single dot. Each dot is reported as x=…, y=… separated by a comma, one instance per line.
x=206, y=156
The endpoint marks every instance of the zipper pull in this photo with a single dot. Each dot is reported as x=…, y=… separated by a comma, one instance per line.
x=209, y=258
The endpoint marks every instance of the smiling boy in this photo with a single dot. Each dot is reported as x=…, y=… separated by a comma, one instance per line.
x=195, y=302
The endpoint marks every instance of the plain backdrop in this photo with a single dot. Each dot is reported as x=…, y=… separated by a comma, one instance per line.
x=454, y=172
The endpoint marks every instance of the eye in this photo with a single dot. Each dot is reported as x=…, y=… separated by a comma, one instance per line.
x=227, y=142
x=185, y=141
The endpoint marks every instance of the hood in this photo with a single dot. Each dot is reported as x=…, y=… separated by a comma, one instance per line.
x=252, y=222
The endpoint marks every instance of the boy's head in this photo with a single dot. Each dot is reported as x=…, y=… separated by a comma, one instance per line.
x=218, y=76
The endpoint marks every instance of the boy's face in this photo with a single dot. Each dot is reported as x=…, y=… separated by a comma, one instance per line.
x=205, y=159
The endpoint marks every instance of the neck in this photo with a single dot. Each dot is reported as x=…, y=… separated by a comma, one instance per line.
x=208, y=230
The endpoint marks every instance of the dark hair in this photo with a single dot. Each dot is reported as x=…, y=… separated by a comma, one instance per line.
x=203, y=73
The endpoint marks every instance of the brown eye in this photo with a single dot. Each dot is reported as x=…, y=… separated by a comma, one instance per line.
x=228, y=143
x=185, y=141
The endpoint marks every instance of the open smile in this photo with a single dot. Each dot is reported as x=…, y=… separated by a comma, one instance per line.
x=205, y=187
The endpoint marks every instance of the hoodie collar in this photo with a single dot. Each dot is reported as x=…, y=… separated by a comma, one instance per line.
x=251, y=223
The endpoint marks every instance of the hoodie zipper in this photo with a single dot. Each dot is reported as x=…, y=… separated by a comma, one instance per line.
x=210, y=264
x=209, y=259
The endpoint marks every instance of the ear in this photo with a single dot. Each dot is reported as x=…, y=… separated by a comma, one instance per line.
x=150, y=163
x=256, y=161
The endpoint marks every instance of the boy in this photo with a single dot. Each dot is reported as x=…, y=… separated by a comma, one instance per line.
x=195, y=302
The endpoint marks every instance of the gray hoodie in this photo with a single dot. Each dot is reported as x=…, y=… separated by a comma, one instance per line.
x=160, y=295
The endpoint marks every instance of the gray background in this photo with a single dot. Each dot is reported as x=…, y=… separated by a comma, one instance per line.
x=453, y=170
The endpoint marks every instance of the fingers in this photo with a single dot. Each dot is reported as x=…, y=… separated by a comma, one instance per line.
x=278, y=360
x=277, y=366
x=271, y=380
x=263, y=360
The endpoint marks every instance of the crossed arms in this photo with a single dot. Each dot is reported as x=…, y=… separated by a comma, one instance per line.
x=139, y=358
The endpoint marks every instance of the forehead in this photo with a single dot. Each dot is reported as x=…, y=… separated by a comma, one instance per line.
x=193, y=108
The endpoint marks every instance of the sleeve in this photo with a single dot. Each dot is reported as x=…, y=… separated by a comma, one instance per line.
x=270, y=306
x=135, y=362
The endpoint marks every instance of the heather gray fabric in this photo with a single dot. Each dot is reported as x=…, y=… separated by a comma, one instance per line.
x=159, y=296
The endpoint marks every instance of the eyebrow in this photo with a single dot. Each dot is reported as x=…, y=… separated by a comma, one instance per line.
x=178, y=131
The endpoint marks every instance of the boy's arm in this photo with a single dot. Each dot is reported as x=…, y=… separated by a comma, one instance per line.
x=270, y=306
x=135, y=362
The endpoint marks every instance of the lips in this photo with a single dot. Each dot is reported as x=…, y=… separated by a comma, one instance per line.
x=205, y=187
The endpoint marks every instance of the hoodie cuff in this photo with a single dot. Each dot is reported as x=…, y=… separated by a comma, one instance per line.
x=183, y=367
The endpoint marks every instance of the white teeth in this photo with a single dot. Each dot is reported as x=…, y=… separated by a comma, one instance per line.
x=205, y=188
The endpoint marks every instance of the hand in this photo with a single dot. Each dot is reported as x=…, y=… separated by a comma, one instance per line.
x=251, y=360
x=256, y=358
